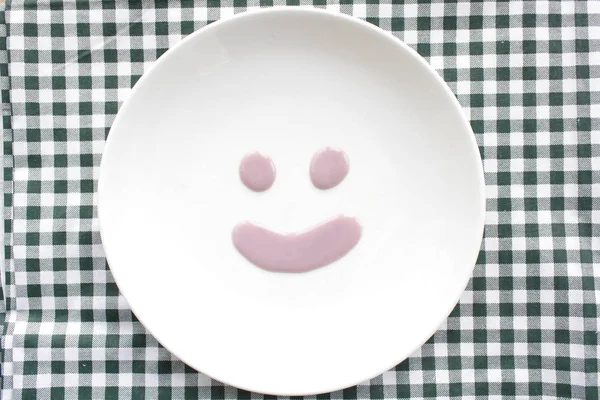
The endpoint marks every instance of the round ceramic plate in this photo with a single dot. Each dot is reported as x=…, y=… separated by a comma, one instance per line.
x=287, y=83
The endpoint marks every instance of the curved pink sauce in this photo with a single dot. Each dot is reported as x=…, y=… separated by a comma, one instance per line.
x=301, y=252
x=328, y=168
x=257, y=172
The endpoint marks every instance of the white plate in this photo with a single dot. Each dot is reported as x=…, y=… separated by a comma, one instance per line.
x=286, y=83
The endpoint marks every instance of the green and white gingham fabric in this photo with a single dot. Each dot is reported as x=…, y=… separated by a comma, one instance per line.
x=528, y=76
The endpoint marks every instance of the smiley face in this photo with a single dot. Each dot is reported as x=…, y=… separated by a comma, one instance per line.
x=304, y=251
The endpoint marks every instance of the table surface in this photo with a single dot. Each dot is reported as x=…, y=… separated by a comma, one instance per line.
x=527, y=74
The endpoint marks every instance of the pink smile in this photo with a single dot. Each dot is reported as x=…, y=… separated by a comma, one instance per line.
x=297, y=252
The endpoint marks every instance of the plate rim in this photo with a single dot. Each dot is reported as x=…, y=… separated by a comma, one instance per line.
x=384, y=35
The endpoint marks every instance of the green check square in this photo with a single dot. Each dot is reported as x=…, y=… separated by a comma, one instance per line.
x=32, y=187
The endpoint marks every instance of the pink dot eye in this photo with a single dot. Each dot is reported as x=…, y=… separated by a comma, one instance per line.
x=328, y=168
x=257, y=172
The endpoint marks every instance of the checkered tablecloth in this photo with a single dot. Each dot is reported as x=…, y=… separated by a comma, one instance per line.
x=528, y=76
